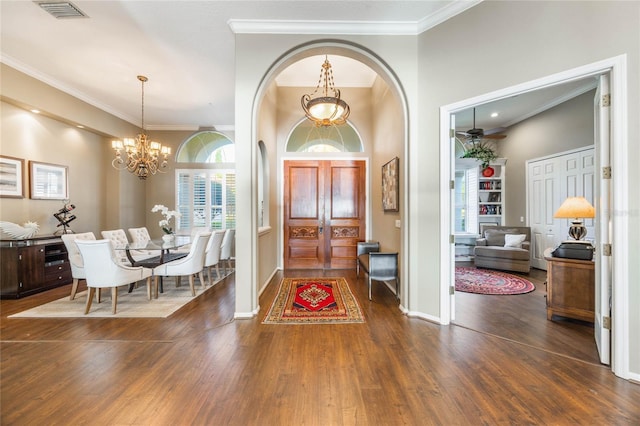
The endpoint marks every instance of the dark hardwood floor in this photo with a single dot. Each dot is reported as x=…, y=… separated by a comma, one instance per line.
x=523, y=318
x=201, y=367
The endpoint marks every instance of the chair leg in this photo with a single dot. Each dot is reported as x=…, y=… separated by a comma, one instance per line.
x=99, y=295
x=201, y=276
x=90, y=294
x=369, y=277
x=149, y=293
x=218, y=271
x=155, y=286
x=193, y=289
x=114, y=299
x=74, y=289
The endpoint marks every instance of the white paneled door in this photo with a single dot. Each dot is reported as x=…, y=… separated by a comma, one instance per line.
x=543, y=196
x=551, y=180
x=604, y=275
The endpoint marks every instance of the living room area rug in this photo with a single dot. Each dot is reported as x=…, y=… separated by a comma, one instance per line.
x=486, y=281
x=314, y=301
x=130, y=305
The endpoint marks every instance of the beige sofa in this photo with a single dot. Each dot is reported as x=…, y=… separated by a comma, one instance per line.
x=490, y=251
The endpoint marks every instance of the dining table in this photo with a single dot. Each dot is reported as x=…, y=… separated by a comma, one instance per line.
x=167, y=252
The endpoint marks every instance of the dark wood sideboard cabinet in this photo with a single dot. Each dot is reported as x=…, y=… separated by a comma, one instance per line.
x=33, y=265
x=570, y=288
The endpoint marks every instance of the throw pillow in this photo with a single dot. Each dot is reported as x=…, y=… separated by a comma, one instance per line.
x=516, y=240
x=495, y=237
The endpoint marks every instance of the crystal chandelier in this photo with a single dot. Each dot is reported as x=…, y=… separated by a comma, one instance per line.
x=142, y=156
x=325, y=110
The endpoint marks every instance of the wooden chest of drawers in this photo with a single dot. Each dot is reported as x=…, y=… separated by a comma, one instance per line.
x=34, y=265
x=570, y=288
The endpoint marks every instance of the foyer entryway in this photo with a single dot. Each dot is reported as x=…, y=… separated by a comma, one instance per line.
x=324, y=213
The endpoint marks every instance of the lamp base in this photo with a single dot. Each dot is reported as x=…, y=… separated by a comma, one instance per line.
x=577, y=231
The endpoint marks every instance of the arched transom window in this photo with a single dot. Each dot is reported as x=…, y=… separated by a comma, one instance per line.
x=306, y=137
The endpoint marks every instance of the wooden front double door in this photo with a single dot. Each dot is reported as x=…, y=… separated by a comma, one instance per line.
x=324, y=213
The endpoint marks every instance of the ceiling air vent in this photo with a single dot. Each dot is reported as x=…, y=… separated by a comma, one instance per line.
x=62, y=9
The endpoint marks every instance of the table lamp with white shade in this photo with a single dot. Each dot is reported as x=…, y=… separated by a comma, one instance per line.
x=576, y=208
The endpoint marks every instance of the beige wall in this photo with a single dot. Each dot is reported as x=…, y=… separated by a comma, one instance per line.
x=33, y=137
x=562, y=128
x=268, y=249
x=388, y=131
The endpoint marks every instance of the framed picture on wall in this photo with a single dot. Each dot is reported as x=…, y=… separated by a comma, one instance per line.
x=390, y=186
x=11, y=177
x=48, y=181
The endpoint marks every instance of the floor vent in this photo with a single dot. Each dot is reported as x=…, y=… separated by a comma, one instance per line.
x=62, y=9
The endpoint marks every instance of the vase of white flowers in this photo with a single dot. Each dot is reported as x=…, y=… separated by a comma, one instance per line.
x=165, y=224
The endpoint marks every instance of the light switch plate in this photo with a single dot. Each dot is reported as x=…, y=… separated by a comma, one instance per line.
x=398, y=224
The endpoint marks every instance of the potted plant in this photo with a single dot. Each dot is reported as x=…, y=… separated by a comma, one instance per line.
x=482, y=152
x=165, y=224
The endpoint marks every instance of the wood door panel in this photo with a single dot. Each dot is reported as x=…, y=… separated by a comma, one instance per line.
x=344, y=192
x=304, y=210
x=303, y=195
x=324, y=204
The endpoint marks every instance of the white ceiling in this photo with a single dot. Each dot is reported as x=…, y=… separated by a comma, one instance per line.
x=186, y=49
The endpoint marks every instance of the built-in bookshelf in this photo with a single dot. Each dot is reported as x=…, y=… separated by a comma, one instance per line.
x=491, y=194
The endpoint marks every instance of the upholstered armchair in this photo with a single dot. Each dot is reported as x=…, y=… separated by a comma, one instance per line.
x=505, y=248
x=378, y=266
x=363, y=248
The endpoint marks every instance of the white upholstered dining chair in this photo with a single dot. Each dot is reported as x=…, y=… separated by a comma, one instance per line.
x=212, y=253
x=119, y=239
x=194, y=231
x=189, y=266
x=140, y=236
x=104, y=270
x=75, y=258
x=227, y=248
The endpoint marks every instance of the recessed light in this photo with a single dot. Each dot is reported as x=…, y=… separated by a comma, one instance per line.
x=35, y=111
x=494, y=114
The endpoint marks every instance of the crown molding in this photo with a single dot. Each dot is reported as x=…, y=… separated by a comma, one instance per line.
x=264, y=26
x=47, y=79
x=272, y=26
x=446, y=12
x=190, y=128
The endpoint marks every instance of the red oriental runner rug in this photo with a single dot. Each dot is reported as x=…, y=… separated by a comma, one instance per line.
x=314, y=301
x=486, y=281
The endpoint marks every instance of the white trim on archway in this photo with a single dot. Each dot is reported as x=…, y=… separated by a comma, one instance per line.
x=367, y=57
x=617, y=68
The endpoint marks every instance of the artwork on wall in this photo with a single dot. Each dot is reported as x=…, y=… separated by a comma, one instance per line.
x=390, y=186
x=48, y=181
x=11, y=177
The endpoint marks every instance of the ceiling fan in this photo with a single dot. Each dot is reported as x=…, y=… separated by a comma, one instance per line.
x=476, y=134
